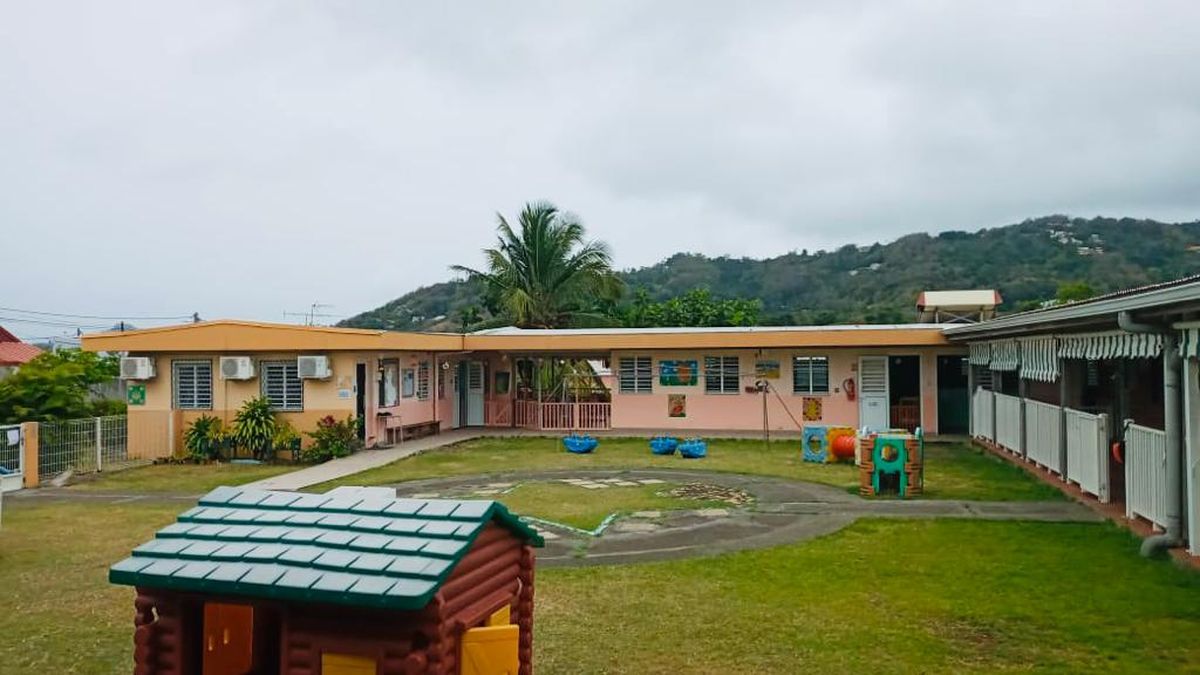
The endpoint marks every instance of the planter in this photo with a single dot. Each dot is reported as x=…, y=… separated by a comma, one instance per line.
x=663, y=445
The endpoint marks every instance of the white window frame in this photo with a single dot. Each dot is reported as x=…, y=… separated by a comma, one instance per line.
x=635, y=374
x=722, y=374
x=804, y=362
x=195, y=403
x=267, y=370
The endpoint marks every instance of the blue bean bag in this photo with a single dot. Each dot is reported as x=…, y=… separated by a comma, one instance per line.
x=693, y=448
x=663, y=445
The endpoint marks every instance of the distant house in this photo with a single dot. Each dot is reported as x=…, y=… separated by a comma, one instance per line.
x=14, y=353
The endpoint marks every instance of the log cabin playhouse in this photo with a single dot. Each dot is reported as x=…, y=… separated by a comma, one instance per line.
x=350, y=582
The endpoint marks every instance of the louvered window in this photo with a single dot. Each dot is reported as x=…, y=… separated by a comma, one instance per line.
x=192, y=385
x=423, y=381
x=721, y=374
x=281, y=384
x=810, y=375
x=635, y=374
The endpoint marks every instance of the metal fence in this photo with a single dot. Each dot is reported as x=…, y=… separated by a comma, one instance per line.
x=84, y=446
x=1146, y=473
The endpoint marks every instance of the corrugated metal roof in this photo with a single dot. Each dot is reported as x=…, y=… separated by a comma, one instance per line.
x=341, y=547
x=678, y=330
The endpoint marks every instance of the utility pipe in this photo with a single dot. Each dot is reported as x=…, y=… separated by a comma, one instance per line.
x=1172, y=402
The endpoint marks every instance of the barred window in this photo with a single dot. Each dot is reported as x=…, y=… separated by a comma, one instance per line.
x=720, y=374
x=810, y=375
x=423, y=381
x=635, y=374
x=192, y=385
x=281, y=385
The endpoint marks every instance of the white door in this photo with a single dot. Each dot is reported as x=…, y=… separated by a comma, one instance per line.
x=456, y=394
x=873, y=392
x=474, y=394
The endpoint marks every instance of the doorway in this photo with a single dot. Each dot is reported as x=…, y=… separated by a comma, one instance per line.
x=904, y=391
x=952, y=400
x=239, y=639
x=873, y=393
x=360, y=399
x=469, y=379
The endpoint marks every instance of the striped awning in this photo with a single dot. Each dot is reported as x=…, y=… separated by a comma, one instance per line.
x=1189, y=343
x=1110, y=345
x=981, y=353
x=1006, y=354
x=1039, y=358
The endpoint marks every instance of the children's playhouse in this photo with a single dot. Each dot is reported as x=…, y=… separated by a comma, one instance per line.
x=351, y=582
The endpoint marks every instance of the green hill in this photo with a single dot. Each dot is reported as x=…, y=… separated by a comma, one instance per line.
x=879, y=283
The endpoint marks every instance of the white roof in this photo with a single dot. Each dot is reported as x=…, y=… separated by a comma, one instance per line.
x=959, y=299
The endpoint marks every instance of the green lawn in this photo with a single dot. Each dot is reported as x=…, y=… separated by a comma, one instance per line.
x=952, y=471
x=881, y=596
x=586, y=509
x=180, y=478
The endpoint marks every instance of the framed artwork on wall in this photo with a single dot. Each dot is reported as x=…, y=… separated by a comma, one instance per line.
x=676, y=405
x=678, y=373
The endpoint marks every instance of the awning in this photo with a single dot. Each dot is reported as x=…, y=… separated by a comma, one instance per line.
x=1189, y=343
x=1110, y=345
x=1039, y=359
x=981, y=353
x=1006, y=354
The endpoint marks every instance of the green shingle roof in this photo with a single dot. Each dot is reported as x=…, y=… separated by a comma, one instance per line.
x=344, y=547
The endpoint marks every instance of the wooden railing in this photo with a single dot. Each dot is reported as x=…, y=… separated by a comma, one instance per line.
x=1043, y=426
x=1087, y=452
x=498, y=413
x=1146, y=473
x=1008, y=422
x=560, y=416
x=984, y=425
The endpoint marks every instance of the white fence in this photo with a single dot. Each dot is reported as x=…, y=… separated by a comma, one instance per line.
x=1008, y=422
x=1043, y=426
x=1146, y=473
x=84, y=446
x=1087, y=452
x=981, y=403
x=12, y=457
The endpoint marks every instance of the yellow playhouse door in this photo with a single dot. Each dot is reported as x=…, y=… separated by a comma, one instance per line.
x=491, y=650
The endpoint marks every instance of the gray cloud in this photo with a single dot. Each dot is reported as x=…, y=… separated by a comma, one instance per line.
x=242, y=159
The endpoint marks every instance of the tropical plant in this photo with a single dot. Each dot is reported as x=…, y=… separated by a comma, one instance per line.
x=547, y=275
x=332, y=438
x=203, y=438
x=286, y=437
x=254, y=427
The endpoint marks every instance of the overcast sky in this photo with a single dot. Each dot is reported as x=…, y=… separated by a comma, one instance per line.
x=243, y=159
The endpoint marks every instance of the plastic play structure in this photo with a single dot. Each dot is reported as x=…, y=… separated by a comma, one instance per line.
x=823, y=443
x=693, y=448
x=580, y=445
x=892, y=463
x=663, y=445
x=347, y=582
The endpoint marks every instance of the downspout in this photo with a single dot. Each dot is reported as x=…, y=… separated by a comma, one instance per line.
x=1174, y=432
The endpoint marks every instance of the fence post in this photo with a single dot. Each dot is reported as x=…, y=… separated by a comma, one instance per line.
x=99, y=444
x=29, y=433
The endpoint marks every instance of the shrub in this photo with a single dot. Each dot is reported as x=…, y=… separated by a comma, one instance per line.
x=203, y=438
x=333, y=438
x=109, y=406
x=286, y=437
x=254, y=427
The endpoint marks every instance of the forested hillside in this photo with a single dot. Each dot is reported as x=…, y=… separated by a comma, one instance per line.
x=1026, y=262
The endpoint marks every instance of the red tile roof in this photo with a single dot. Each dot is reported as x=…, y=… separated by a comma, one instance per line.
x=13, y=352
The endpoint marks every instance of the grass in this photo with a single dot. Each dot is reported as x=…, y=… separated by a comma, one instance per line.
x=952, y=471
x=180, y=478
x=882, y=596
x=586, y=509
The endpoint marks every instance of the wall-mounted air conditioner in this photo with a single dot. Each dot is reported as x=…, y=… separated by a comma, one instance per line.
x=137, y=368
x=313, y=367
x=237, y=368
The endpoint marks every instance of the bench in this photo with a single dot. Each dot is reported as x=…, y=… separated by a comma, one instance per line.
x=395, y=430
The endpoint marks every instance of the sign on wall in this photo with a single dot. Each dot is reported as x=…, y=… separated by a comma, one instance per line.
x=678, y=373
x=676, y=405
x=135, y=394
x=811, y=406
x=766, y=369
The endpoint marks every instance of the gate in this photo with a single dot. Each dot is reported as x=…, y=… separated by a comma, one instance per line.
x=12, y=457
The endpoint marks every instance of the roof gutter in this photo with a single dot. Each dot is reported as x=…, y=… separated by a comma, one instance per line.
x=1173, y=423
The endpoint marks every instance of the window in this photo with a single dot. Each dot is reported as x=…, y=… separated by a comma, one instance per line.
x=810, y=375
x=192, y=384
x=389, y=383
x=423, y=381
x=720, y=374
x=635, y=374
x=282, y=386
x=408, y=383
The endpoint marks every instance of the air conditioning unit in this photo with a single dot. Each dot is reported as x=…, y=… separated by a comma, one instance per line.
x=237, y=368
x=313, y=367
x=137, y=368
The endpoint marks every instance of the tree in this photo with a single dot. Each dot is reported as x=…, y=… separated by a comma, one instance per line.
x=1073, y=291
x=697, y=307
x=55, y=386
x=547, y=275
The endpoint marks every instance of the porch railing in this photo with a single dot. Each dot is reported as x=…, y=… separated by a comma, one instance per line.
x=983, y=421
x=562, y=416
x=1043, y=427
x=1087, y=452
x=1146, y=473
x=1008, y=422
x=498, y=413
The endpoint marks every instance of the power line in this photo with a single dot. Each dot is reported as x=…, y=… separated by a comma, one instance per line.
x=92, y=316
x=57, y=324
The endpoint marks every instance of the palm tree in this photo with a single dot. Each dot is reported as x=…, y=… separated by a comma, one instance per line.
x=546, y=275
